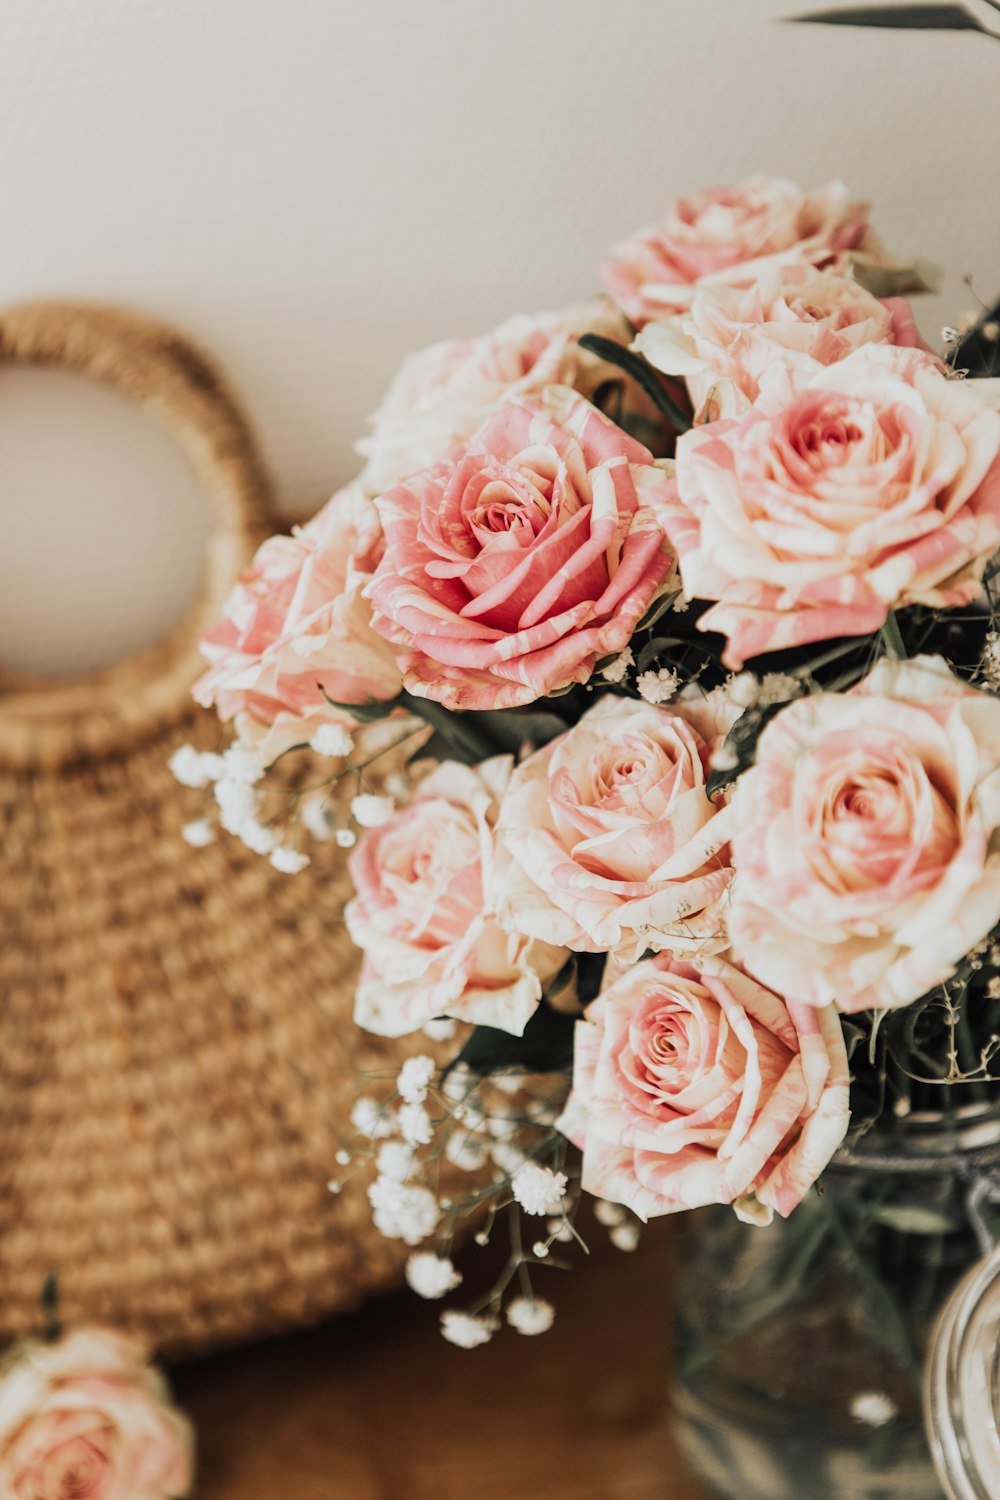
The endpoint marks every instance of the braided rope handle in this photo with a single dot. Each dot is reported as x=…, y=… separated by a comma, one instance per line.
x=151, y=364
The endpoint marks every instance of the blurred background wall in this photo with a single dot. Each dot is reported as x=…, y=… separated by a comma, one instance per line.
x=313, y=188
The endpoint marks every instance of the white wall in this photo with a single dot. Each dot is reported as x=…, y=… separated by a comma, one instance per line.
x=314, y=187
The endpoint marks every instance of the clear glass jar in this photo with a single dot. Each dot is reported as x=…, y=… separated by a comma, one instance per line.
x=801, y=1346
x=962, y=1395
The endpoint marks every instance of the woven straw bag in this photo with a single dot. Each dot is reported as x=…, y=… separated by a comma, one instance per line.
x=176, y=1046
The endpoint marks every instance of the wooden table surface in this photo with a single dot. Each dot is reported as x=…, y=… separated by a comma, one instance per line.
x=377, y=1406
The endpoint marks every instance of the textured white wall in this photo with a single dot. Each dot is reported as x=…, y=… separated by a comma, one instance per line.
x=314, y=187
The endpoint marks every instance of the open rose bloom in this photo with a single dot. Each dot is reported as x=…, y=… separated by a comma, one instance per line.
x=693, y=1084
x=730, y=235
x=841, y=494
x=728, y=338
x=88, y=1418
x=433, y=946
x=691, y=633
x=867, y=839
x=613, y=843
x=296, y=631
x=516, y=562
x=444, y=394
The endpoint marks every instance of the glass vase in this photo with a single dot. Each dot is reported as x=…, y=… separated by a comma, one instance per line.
x=801, y=1353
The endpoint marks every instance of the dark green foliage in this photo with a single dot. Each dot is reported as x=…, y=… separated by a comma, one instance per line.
x=900, y=17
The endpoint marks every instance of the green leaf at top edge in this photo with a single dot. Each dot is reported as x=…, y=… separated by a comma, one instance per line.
x=898, y=18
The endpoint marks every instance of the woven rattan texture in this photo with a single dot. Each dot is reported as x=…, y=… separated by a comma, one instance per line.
x=177, y=1055
x=176, y=1062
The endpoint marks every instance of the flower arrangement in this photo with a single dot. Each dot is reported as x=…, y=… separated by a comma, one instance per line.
x=679, y=607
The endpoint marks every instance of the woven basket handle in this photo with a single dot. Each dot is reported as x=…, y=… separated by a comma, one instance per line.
x=154, y=366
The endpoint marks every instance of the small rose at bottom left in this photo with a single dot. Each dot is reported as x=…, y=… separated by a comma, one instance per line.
x=86, y=1416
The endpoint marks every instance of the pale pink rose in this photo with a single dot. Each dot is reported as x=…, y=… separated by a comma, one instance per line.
x=729, y=337
x=296, y=626
x=732, y=234
x=515, y=563
x=432, y=944
x=838, y=496
x=612, y=841
x=444, y=394
x=693, y=1084
x=88, y=1418
x=866, y=839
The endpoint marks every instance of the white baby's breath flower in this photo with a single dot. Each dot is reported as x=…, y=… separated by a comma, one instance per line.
x=466, y=1331
x=414, y=1077
x=317, y=816
x=657, y=686
x=415, y=1125
x=459, y=1082
x=471, y=1116
x=608, y=1214
x=530, y=1315
x=542, y=1111
x=242, y=763
x=288, y=861
x=467, y=1152
x=560, y=1230
x=371, y=1120
x=724, y=758
x=618, y=666
x=403, y=1212
x=743, y=689
x=345, y=838
x=257, y=836
x=399, y=785
x=332, y=740
x=195, y=768
x=778, y=687
x=237, y=804
x=395, y=1160
x=369, y=811
x=507, y=1157
x=874, y=1408
x=508, y=1083
x=625, y=1236
x=538, y=1189
x=199, y=833
x=430, y=1275
x=442, y=1029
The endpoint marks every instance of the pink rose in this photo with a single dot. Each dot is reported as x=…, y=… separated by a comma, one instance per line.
x=422, y=913
x=693, y=1084
x=515, y=563
x=444, y=394
x=866, y=839
x=612, y=840
x=732, y=234
x=87, y=1418
x=296, y=626
x=729, y=337
x=840, y=495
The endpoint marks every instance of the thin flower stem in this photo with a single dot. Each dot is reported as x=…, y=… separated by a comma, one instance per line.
x=892, y=637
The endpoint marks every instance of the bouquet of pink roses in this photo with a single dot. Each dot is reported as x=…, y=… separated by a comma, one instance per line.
x=680, y=606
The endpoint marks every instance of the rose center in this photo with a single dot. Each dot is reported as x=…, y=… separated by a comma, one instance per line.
x=868, y=801
x=828, y=441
